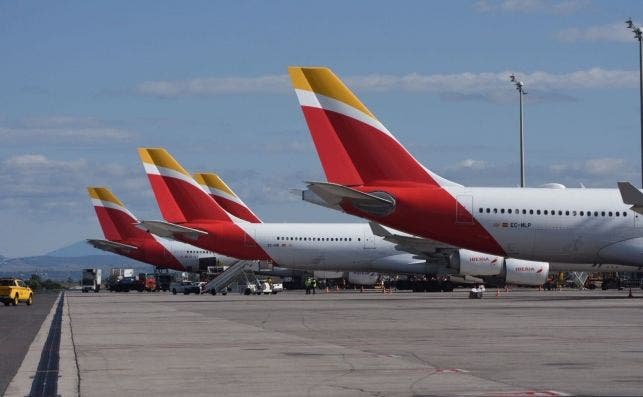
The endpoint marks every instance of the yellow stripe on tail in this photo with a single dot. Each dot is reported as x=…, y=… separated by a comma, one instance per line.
x=161, y=158
x=104, y=194
x=321, y=80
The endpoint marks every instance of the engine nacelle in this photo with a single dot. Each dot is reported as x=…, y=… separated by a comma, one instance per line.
x=476, y=263
x=363, y=278
x=518, y=271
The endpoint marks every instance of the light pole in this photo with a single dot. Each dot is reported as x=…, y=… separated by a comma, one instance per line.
x=521, y=91
x=638, y=33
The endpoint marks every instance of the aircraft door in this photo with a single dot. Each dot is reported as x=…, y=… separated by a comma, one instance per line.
x=369, y=240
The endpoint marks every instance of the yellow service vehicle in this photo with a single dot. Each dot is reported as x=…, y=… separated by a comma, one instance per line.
x=14, y=291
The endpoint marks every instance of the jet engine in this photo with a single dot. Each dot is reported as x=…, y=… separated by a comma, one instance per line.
x=472, y=263
x=514, y=271
x=518, y=271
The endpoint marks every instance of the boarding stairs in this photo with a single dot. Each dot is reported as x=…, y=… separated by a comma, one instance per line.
x=239, y=270
x=579, y=278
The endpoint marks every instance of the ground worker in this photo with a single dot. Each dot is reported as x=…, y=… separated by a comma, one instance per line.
x=314, y=285
x=307, y=284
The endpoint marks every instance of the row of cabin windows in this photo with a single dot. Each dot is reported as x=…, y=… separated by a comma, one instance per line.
x=199, y=252
x=553, y=212
x=317, y=239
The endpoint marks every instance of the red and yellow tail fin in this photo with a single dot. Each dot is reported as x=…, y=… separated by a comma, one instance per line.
x=225, y=197
x=353, y=146
x=180, y=198
x=117, y=222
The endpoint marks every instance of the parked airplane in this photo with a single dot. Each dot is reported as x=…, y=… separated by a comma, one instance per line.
x=371, y=175
x=124, y=238
x=192, y=215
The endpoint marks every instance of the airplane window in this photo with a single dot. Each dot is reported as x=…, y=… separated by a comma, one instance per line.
x=624, y=213
x=582, y=213
x=560, y=212
x=502, y=210
x=609, y=213
x=567, y=213
x=545, y=212
x=495, y=210
x=602, y=213
x=480, y=210
x=524, y=212
x=509, y=210
x=537, y=212
x=618, y=213
x=488, y=210
x=359, y=239
x=552, y=212
x=531, y=212
x=595, y=213
x=350, y=239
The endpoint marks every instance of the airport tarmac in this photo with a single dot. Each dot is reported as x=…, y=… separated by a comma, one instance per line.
x=18, y=327
x=524, y=342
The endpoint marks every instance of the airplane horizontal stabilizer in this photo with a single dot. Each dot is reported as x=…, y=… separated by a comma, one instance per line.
x=632, y=196
x=169, y=230
x=333, y=195
x=112, y=246
x=410, y=243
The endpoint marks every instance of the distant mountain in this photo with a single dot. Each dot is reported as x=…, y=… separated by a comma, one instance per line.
x=63, y=268
x=80, y=248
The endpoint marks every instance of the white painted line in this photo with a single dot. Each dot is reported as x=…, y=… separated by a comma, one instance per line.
x=68, y=380
x=20, y=385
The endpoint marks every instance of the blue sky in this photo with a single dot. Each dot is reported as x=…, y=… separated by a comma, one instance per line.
x=86, y=83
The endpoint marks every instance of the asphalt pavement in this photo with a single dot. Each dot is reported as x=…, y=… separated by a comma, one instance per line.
x=18, y=327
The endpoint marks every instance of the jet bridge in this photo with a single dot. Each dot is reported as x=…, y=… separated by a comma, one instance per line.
x=239, y=271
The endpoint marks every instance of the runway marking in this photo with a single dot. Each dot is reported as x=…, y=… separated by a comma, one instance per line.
x=45, y=381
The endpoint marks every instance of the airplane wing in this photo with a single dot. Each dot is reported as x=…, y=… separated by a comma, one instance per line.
x=422, y=247
x=332, y=195
x=170, y=230
x=631, y=196
x=112, y=246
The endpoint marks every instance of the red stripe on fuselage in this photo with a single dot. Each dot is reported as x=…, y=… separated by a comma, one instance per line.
x=431, y=212
x=236, y=209
x=226, y=238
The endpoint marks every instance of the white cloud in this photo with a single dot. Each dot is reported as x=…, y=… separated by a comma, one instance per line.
x=44, y=188
x=62, y=129
x=597, y=167
x=561, y=7
x=468, y=164
x=608, y=33
x=486, y=86
x=214, y=85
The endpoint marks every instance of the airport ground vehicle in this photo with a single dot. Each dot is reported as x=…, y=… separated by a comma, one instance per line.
x=125, y=284
x=185, y=287
x=91, y=280
x=14, y=291
x=146, y=282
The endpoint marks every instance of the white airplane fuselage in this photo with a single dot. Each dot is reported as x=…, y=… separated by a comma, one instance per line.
x=557, y=225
